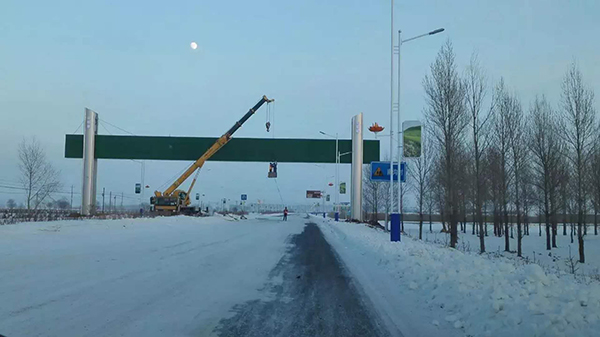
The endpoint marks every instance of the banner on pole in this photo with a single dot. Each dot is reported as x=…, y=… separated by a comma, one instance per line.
x=411, y=139
x=342, y=188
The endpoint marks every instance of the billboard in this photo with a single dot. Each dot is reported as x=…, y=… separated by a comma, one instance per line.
x=313, y=194
x=342, y=188
x=411, y=139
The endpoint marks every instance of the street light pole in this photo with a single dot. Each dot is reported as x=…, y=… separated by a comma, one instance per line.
x=391, y=114
x=337, y=175
x=400, y=154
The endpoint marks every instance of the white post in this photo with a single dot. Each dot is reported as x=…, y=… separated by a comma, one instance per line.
x=391, y=114
x=400, y=154
x=337, y=173
x=90, y=163
x=357, y=162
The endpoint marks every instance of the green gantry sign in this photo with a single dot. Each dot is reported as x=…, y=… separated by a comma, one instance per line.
x=238, y=149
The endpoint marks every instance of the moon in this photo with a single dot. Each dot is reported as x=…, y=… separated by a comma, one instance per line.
x=194, y=45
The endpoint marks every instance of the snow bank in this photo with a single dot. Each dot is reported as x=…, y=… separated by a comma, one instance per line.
x=472, y=294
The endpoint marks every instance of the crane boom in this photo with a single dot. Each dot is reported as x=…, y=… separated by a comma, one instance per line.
x=224, y=139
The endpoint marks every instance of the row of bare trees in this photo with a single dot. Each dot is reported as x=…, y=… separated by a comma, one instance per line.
x=485, y=156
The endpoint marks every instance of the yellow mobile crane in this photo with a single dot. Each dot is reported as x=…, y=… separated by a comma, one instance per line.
x=173, y=201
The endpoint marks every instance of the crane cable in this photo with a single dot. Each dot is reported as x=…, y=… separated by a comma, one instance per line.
x=271, y=117
x=279, y=191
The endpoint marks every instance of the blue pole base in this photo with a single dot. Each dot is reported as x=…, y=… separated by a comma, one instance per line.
x=323, y=215
x=395, y=227
x=337, y=216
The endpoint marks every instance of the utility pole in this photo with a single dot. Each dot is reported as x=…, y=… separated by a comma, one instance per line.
x=103, y=199
x=121, y=201
x=115, y=203
x=109, y=201
x=71, y=197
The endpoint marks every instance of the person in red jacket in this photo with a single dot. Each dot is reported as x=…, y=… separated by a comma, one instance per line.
x=285, y=213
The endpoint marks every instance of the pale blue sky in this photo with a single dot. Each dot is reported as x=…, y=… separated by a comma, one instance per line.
x=323, y=62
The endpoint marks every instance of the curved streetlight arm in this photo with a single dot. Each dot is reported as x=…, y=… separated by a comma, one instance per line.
x=439, y=30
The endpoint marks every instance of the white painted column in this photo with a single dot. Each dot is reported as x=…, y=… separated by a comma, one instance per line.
x=357, y=162
x=90, y=163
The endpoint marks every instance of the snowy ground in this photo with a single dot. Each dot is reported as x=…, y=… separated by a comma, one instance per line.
x=534, y=247
x=134, y=277
x=185, y=276
x=425, y=289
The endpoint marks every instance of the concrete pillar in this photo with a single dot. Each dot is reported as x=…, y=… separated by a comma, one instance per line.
x=90, y=163
x=357, y=162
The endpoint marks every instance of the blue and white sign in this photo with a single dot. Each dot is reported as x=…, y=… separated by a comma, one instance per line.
x=244, y=197
x=380, y=171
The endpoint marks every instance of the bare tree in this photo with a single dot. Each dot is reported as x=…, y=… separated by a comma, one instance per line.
x=438, y=192
x=501, y=134
x=565, y=196
x=528, y=196
x=38, y=177
x=476, y=90
x=448, y=119
x=371, y=194
x=430, y=198
x=594, y=182
x=519, y=153
x=420, y=172
x=11, y=204
x=579, y=115
x=546, y=149
x=494, y=179
x=403, y=191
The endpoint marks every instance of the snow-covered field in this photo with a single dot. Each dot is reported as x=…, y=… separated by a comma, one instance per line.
x=534, y=247
x=134, y=277
x=425, y=289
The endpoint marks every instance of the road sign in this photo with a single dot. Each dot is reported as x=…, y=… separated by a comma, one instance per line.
x=138, y=188
x=313, y=194
x=244, y=197
x=237, y=149
x=380, y=171
x=197, y=196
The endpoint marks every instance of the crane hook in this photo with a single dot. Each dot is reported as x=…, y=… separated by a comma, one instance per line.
x=268, y=125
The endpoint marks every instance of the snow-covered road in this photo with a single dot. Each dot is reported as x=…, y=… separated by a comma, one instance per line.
x=146, y=277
